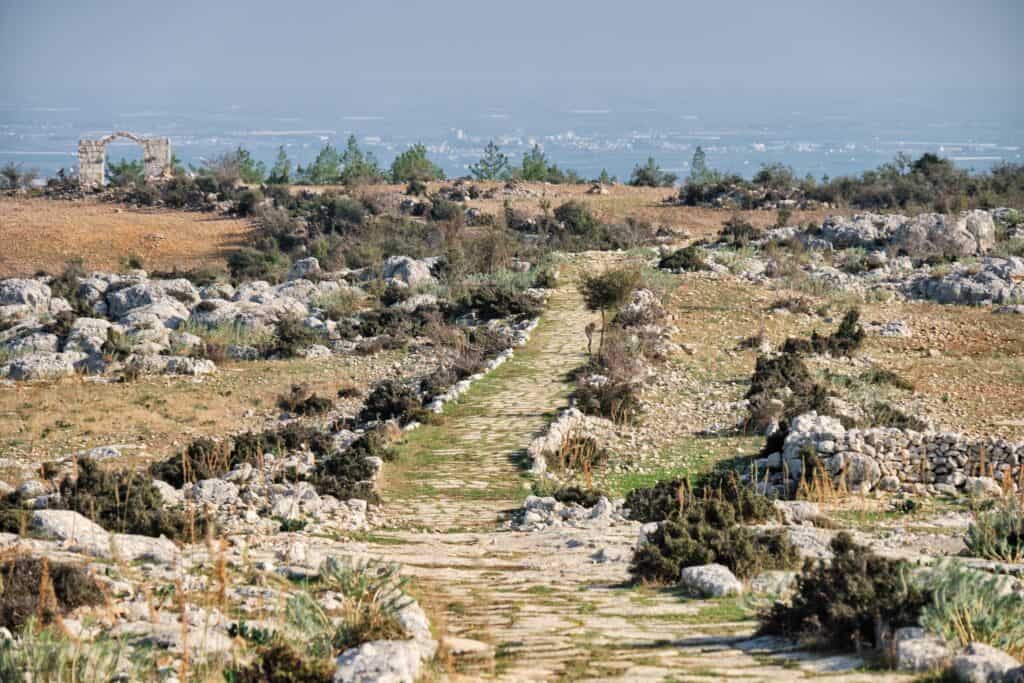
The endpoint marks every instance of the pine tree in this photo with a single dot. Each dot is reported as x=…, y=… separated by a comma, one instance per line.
x=492, y=166
x=281, y=173
x=413, y=164
x=699, y=167
x=535, y=165
x=359, y=167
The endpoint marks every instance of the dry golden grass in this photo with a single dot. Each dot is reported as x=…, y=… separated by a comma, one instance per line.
x=974, y=380
x=620, y=203
x=39, y=421
x=43, y=235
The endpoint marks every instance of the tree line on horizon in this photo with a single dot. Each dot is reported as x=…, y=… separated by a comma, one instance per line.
x=928, y=181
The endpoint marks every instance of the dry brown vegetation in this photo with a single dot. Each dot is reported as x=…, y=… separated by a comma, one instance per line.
x=966, y=363
x=160, y=415
x=43, y=235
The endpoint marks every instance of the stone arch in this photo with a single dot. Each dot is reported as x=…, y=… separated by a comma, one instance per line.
x=92, y=157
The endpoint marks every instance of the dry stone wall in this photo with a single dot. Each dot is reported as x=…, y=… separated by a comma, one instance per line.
x=892, y=459
x=92, y=157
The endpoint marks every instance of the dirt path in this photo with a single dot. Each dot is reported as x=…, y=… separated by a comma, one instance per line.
x=547, y=605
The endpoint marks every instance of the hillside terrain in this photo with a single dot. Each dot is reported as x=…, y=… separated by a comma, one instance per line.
x=546, y=432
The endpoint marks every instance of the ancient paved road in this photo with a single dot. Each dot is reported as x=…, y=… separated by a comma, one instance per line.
x=546, y=606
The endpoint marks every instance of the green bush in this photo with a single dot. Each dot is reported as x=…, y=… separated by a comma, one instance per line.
x=292, y=338
x=709, y=531
x=651, y=175
x=567, y=495
x=577, y=217
x=999, y=533
x=413, y=165
x=444, y=210
x=126, y=501
x=389, y=400
x=738, y=232
x=667, y=498
x=785, y=378
x=301, y=401
x=281, y=662
x=856, y=599
x=22, y=583
x=248, y=263
x=847, y=339
x=689, y=259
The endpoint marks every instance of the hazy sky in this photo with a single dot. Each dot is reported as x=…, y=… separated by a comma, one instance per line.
x=392, y=53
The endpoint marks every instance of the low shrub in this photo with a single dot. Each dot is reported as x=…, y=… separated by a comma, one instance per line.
x=490, y=301
x=292, y=337
x=577, y=217
x=998, y=534
x=794, y=304
x=568, y=495
x=371, y=597
x=857, y=599
x=705, y=525
x=738, y=232
x=300, y=400
x=32, y=586
x=281, y=662
x=126, y=501
x=689, y=259
x=709, y=532
x=882, y=376
x=347, y=474
x=784, y=379
x=847, y=338
x=882, y=414
x=667, y=498
x=389, y=400
x=50, y=655
x=207, y=459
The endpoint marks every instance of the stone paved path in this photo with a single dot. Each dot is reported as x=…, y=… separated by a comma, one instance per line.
x=547, y=605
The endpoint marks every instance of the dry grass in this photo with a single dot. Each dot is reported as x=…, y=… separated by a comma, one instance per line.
x=162, y=414
x=974, y=383
x=621, y=202
x=41, y=234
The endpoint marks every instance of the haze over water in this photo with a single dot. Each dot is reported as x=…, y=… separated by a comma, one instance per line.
x=826, y=88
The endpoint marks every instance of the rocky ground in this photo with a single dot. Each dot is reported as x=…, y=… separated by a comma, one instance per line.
x=510, y=586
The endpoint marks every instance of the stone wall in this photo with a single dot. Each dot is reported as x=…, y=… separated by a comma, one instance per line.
x=92, y=157
x=892, y=459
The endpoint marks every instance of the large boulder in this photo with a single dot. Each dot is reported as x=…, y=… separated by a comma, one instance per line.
x=168, y=313
x=980, y=663
x=42, y=366
x=80, y=534
x=123, y=300
x=709, y=581
x=33, y=342
x=860, y=230
x=408, y=271
x=917, y=650
x=934, y=234
x=32, y=293
x=148, y=364
x=303, y=268
x=87, y=335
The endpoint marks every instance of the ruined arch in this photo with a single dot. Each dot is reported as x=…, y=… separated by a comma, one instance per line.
x=92, y=157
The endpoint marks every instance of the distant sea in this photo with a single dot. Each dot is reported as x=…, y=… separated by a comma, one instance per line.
x=585, y=139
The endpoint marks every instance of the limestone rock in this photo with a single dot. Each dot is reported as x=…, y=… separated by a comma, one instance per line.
x=407, y=270
x=917, y=650
x=709, y=581
x=980, y=663
x=303, y=268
